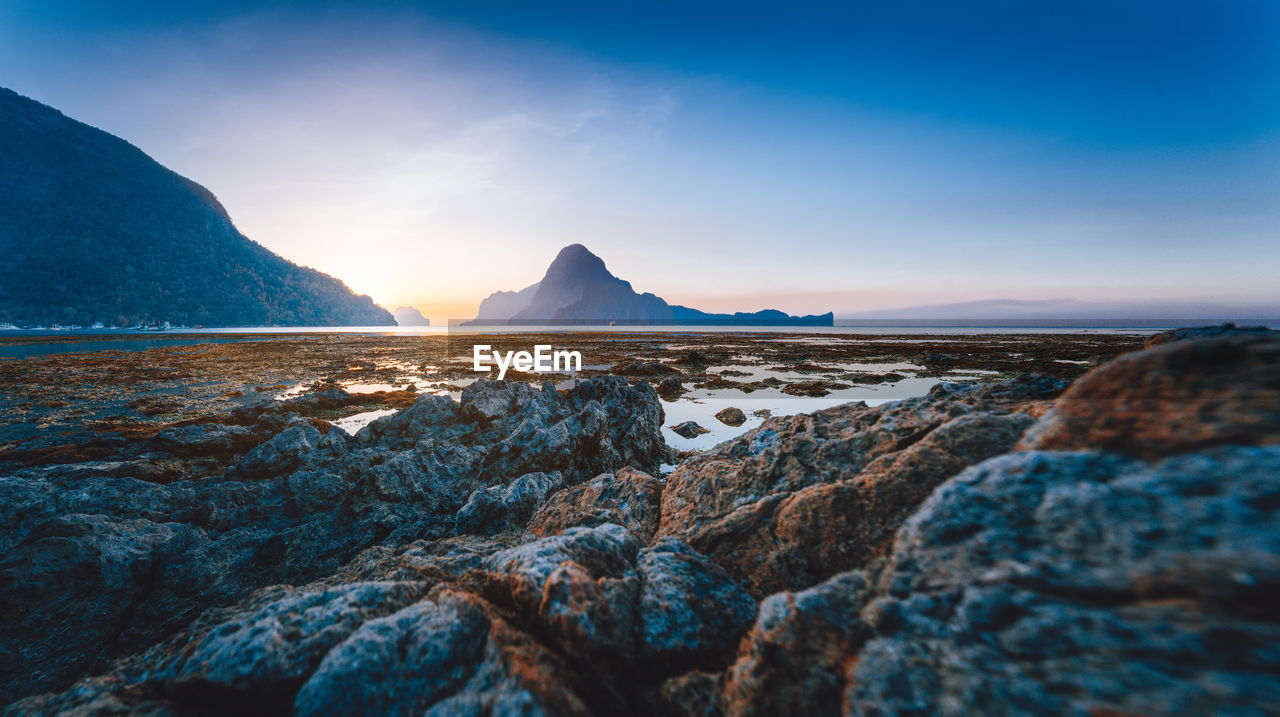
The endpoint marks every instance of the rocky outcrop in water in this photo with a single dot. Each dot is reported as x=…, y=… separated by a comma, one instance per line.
x=995, y=548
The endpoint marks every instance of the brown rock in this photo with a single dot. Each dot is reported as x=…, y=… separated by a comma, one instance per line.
x=793, y=660
x=1179, y=396
x=670, y=388
x=745, y=504
x=629, y=498
x=732, y=416
x=813, y=389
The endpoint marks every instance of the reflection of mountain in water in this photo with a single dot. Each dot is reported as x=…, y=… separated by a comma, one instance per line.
x=578, y=288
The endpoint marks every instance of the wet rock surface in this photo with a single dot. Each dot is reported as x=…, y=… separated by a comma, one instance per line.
x=731, y=416
x=999, y=548
x=689, y=429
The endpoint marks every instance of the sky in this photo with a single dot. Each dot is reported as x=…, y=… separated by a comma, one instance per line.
x=729, y=156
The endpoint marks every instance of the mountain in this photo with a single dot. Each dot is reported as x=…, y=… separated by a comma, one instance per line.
x=578, y=288
x=92, y=229
x=1159, y=310
x=409, y=316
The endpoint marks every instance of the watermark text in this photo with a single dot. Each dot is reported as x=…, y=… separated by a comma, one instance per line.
x=544, y=359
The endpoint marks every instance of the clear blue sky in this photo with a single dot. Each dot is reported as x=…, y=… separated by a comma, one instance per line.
x=812, y=157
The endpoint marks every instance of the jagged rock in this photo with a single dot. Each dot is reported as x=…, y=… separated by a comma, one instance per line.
x=292, y=510
x=604, y=599
x=689, y=429
x=1204, y=332
x=1128, y=575
x=299, y=445
x=445, y=656
x=94, y=573
x=642, y=369
x=670, y=388
x=629, y=498
x=693, y=694
x=592, y=618
x=793, y=660
x=517, y=576
x=812, y=389
x=500, y=508
x=693, y=358
x=262, y=655
x=203, y=439
x=732, y=416
x=689, y=607
x=1179, y=396
x=728, y=502
x=1077, y=583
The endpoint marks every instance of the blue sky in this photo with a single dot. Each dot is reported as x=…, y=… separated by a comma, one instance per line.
x=811, y=157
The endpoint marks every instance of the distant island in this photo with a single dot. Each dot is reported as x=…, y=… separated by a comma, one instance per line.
x=94, y=231
x=409, y=316
x=578, y=289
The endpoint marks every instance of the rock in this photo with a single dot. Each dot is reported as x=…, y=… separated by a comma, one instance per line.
x=262, y=655
x=732, y=416
x=670, y=388
x=690, y=610
x=1180, y=396
x=1204, y=332
x=693, y=358
x=517, y=576
x=689, y=429
x=500, y=508
x=76, y=581
x=813, y=389
x=981, y=549
x=834, y=527
x=628, y=498
x=693, y=693
x=203, y=439
x=296, y=446
x=1082, y=583
x=642, y=369
x=793, y=661
x=784, y=505
x=292, y=510
x=591, y=618
x=445, y=656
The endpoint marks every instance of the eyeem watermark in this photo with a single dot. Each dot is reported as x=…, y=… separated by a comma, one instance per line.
x=542, y=360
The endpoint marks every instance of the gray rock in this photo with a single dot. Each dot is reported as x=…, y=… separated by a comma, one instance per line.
x=1078, y=583
x=518, y=576
x=500, y=508
x=203, y=439
x=262, y=655
x=292, y=510
x=689, y=608
x=689, y=429
x=399, y=664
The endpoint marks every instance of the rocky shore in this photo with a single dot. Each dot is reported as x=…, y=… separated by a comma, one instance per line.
x=1108, y=545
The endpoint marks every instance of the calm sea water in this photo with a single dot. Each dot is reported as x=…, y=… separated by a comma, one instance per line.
x=17, y=343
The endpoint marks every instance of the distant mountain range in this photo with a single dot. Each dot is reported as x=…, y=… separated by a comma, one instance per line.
x=1073, y=310
x=92, y=229
x=579, y=289
x=409, y=316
